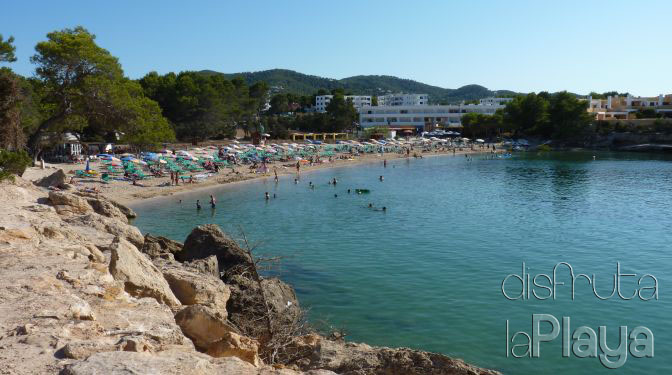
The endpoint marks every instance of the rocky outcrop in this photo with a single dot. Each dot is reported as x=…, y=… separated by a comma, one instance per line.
x=207, y=240
x=105, y=208
x=108, y=228
x=235, y=345
x=160, y=247
x=251, y=301
x=203, y=325
x=67, y=203
x=208, y=266
x=313, y=351
x=78, y=297
x=172, y=362
x=195, y=288
x=129, y=213
x=56, y=179
x=140, y=277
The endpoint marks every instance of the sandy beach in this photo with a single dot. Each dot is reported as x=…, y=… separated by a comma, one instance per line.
x=126, y=193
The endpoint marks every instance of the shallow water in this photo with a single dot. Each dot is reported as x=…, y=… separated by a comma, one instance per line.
x=427, y=273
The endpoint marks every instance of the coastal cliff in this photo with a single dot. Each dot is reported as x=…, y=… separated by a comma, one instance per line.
x=84, y=292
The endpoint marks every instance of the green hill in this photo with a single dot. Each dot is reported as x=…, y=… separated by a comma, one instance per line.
x=282, y=80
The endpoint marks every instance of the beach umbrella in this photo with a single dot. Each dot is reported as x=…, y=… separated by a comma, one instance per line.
x=115, y=159
x=265, y=135
x=480, y=140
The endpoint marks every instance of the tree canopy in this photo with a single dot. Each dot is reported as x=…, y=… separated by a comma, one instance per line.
x=7, y=49
x=82, y=85
x=559, y=116
x=203, y=106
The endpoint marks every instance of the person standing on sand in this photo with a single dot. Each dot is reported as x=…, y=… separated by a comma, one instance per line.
x=298, y=167
x=275, y=171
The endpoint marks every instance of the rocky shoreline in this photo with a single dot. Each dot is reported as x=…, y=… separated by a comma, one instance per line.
x=84, y=292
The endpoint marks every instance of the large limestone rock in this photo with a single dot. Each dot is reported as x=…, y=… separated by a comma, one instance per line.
x=69, y=203
x=114, y=228
x=140, y=277
x=235, y=345
x=208, y=266
x=203, y=325
x=129, y=213
x=160, y=247
x=56, y=179
x=105, y=208
x=316, y=352
x=195, y=288
x=250, y=302
x=207, y=240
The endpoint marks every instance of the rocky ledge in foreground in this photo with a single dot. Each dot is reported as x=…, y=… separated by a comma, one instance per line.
x=83, y=292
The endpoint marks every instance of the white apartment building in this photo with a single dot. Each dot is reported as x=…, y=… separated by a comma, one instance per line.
x=495, y=101
x=403, y=99
x=420, y=116
x=358, y=101
x=624, y=107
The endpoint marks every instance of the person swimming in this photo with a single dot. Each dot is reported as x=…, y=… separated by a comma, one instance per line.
x=381, y=178
x=335, y=195
x=296, y=180
x=334, y=181
x=198, y=204
x=348, y=191
x=370, y=205
x=213, y=201
x=267, y=196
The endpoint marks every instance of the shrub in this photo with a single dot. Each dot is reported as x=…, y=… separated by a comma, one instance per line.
x=13, y=163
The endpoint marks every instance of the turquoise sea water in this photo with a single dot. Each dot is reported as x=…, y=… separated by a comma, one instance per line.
x=427, y=273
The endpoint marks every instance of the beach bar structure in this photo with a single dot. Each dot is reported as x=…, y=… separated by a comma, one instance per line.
x=319, y=136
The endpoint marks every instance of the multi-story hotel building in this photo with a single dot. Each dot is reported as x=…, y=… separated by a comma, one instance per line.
x=403, y=99
x=425, y=116
x=358, y=101
x=624, y=107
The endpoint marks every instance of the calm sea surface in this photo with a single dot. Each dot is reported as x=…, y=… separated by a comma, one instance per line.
x=427, y=273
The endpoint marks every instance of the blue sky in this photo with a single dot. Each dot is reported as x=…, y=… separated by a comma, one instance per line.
x=518, y=45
